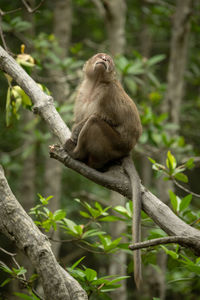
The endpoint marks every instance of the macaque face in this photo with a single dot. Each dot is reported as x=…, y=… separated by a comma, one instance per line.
x=100, y=63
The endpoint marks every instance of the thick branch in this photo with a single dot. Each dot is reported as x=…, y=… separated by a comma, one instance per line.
x=115, y=178
x=43, y=104
x=19, y=227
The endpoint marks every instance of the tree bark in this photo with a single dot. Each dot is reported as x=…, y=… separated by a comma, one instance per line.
x=178, y=59
x=19, y=227
x=174, y=95
x=115, y=18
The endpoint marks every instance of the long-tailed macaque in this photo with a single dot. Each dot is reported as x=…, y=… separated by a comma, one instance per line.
x=107, y=127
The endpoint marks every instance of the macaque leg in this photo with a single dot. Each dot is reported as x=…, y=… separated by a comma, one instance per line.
x=71, y=143
x=98, y=143
x=76, y=130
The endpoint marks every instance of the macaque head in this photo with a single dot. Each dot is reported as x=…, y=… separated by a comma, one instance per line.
x=101, y=65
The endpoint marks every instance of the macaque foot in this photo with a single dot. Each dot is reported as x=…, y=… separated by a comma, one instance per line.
x=69, y=146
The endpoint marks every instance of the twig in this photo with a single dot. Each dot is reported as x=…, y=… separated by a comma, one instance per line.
x=1, y=34
x=196, y=221
x=32, y=10
x=185, y=189
x=9, y=253
x=3, y=13
x=14, y=260
x=165, y=240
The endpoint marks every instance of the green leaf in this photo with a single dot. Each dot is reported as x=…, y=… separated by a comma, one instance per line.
x=121, y=209
x=155, y=59
x=136, y=68
x=92, y=232
x=195, y=269
x=132, y=86
x=17, y=92
x=118, y=279
x=171, y=162
x=173, y=254
x=181, y=177
x=70, y=224
x=5, y=282
x=185, y=202
x=190, y=163
x=79, y=229
x=110, y=219
x=5, y=268
x=25, y=297
x=90, y=274
x=98, y=206
x=77, y=262
x=153, y=78
x=84, y=214
x=59, y=214
x=20, y=271
x=174, y=200
x=151, y=160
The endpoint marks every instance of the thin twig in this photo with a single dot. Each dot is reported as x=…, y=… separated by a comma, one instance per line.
x=3, y=13
x=2, y=36
x=196, y=221
x=5, y=251
x=165, y=240
x=32, y=10
x=185, y=189
x=14, y=260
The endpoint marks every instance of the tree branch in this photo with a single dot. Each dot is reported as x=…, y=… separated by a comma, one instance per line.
x=32, y=10
x=183, y=241
x=19, y=227
x=114, y=178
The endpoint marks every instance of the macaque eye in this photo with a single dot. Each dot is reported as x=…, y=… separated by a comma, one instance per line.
x=105, y=58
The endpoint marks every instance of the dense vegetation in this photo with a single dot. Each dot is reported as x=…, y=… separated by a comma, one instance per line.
x=157, y=59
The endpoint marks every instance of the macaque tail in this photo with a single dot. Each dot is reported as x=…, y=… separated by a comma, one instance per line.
x=136, y=223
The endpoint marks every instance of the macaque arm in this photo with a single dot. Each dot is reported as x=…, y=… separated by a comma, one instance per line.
x=76, y=130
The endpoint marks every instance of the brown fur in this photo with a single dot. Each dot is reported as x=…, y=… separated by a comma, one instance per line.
x=107, y=123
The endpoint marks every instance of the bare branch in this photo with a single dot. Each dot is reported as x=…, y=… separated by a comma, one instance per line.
x=32, y=10
x=3, y=13
x=5, y=251
x=184, y=188
x=2, y=35
x=183, y=241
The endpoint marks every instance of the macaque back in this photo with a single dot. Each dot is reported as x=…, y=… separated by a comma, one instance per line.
x=107, y=124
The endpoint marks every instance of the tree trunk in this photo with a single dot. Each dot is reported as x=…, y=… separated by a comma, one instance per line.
x=173, y=99
x=53, y=170
x=178, y=59
x=115, y=18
